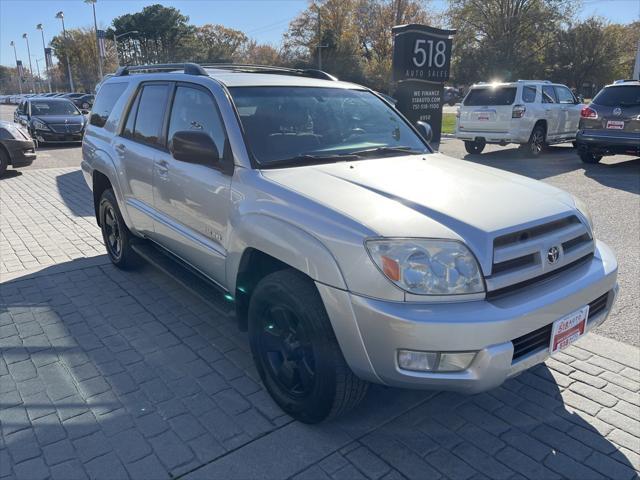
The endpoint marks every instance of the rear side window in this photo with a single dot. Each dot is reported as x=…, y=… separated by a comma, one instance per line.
x=529, y=94
x=107, y=98
x=549, y=94
x=621, y=96
x=490, y=96
x=150, y=114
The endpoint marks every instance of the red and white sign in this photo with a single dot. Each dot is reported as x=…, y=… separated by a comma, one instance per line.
x=568, y=329
x=615, y=124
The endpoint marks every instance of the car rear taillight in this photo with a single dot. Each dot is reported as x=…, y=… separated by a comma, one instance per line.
x=518, y=111
x=588, y=112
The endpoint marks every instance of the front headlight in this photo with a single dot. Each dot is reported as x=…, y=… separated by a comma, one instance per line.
x=427, y=267
x=584, y=211
x=16, y=132
x=38, y=125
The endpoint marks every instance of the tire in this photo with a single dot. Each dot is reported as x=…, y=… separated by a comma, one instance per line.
x=117, y=237
x=537, y=142
x=85, y=106
x=4, y=161
x=296, y=352
x=587, y=156
x=474, y=147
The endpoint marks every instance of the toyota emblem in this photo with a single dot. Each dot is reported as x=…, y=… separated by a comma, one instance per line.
x=617, y=111
x=553, y=255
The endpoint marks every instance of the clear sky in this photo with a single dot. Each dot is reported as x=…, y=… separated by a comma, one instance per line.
x=264, y=20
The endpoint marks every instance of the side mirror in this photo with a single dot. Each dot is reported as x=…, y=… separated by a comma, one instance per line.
x=425, y=130
x=194, y=147
x=85, y=112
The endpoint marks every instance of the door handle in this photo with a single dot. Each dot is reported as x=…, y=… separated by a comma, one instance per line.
x=120, y=147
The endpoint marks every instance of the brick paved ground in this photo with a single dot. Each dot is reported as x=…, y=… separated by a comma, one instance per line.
x=107, y=374
x=46, y=217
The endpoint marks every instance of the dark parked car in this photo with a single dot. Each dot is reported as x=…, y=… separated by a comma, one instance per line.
x=85, y=102
x=610, y=125
x=16, y=147
x=51, y=120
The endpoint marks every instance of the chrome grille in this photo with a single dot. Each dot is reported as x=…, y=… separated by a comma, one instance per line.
x=524, y=255
x=66, y=128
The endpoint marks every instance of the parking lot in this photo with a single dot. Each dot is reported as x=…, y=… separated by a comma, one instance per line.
x=111, y=374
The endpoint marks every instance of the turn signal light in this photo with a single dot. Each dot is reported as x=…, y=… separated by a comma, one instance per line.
x=588, y=112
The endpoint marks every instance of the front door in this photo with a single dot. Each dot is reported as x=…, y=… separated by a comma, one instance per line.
x=191, y=199
x=551, y=111
x=569, y=112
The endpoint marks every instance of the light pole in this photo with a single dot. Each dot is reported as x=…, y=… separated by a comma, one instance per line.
x=60, y=15
x=115, y=41
x=38, y=70
x=13, y=44
x=33, y=81
x=95, y=25
x=44, y=49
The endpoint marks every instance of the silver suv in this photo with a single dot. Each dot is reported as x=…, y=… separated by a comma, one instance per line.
x=352, y=251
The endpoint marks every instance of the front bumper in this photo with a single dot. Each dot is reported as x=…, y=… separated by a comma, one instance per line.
x=609, y=141
x=370, y=332
x=21, y=152
x=43, y=136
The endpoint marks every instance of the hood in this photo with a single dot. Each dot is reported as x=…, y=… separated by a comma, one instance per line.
x=60, y=119
x=432, y=196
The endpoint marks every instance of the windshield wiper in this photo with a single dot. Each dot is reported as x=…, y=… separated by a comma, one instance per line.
x=301, y=160
x=385, y=150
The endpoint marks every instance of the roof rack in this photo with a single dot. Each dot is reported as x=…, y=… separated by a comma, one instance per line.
x=250, y=68
x=626, y=80
x=188, y=68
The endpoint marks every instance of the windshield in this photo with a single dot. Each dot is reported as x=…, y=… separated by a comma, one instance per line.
x=53, y=108
x=291, y=126
x=622, y=96
x=490, y=96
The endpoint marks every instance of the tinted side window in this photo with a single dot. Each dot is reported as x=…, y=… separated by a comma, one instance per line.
x=548, y=94
x=565, y=95
x=529, y=94
x=194, y=109
x=107, y=98
x=490, y=96
x=127, y=131
x=150, y=115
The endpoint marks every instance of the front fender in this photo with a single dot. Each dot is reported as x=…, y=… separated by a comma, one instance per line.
x=285, y=242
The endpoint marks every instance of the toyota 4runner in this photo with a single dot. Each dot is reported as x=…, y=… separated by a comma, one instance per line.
x=353, y=252
x=532, y=113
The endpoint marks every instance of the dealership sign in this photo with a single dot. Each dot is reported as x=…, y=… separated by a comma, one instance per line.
x=421, y=63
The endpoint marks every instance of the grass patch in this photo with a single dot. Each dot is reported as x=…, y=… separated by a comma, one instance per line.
x=448, y=122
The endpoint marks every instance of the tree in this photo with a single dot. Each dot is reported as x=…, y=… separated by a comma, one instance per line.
x=504, y=39
x=217, y=44
x=80, y=49
x=163, y=33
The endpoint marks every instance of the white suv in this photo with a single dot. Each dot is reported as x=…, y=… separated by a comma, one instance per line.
x=533, y=113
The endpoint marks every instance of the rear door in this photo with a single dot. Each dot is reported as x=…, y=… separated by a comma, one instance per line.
x=138, y=147
x=488, y=109
x=569, y=111
x=552, y=112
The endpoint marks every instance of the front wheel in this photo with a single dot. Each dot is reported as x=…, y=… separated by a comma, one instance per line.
x=474, y=147
x=296, y=352
x=117, y=237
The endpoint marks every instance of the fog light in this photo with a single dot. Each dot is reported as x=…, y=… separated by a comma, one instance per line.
x=434, y=361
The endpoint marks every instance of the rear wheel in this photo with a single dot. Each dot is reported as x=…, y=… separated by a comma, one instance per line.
x=537, y=142
x=475, y=146
x=4, y=161
x=588, y=156
x=117, y=237
x=296, y=352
